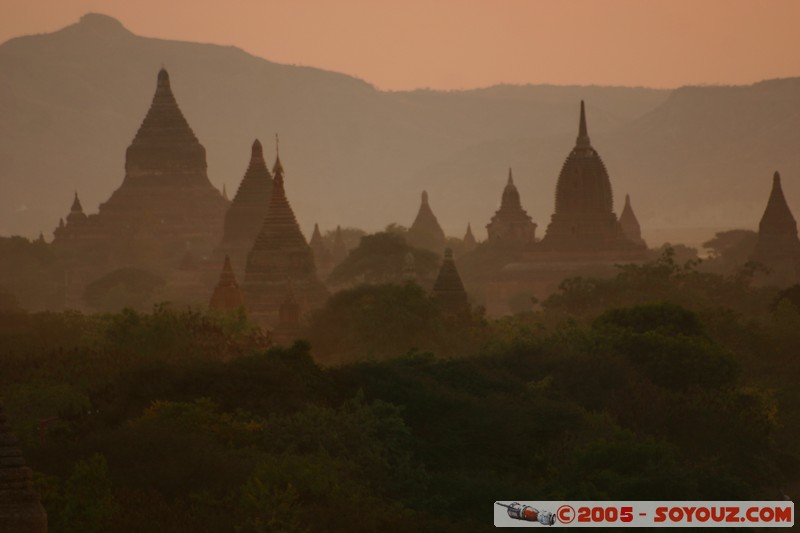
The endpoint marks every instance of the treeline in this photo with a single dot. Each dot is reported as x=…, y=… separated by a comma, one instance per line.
x=663, y=382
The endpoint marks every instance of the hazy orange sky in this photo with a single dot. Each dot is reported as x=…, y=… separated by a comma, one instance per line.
x=449, y=44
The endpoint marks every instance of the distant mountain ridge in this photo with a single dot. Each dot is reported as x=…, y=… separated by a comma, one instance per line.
x=72, y=100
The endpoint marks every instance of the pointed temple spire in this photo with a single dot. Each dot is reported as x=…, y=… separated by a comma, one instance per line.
x=511, y=225
x=246, y=213
x=777, y=216
x=277, y=168
x=470, y=243
x=21, y=510
x=778, y=246
x=227, y=295
x=630, y=224
x=76, y=216
x=322, y=256
x=280, y=252
x=583, y=131
x=76, y=205
x=164, y=137
x=448, y=289
x=426, y=232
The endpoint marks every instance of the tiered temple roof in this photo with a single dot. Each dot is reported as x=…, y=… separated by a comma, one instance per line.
x=630, y=224
x=511, y=225
x=227, y=295
x=448, y=289
x=280, y=252
x=778, y=247
x=166, y=195
x=584, y=219
x=426, y=232
x=248, y=209
x=21, y=510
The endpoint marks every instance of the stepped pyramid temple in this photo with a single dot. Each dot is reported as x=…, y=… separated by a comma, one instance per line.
x=448, y=289
x=629, y=223
x=20, y=508
x=469, y=239
x=584, y=220
x=778, y=247
x=280, y=253
x=426, y=232
x=247, y=211
x=511, y=225
x=322, y=257
x=165, y=204
x=227, y=296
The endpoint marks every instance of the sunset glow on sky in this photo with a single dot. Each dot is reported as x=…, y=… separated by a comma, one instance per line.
x=450, y=44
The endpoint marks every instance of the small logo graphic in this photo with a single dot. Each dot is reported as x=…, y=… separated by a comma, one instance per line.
x=528, y=513
x=565, y=514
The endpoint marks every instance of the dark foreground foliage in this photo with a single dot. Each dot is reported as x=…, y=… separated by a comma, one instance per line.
x=663, y=383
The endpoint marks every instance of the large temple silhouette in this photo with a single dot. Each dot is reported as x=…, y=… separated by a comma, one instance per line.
x=280, y=255
x=584, y=236
x=164, y=206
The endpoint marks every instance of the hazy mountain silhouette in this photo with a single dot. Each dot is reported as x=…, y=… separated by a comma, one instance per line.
x=72, y=100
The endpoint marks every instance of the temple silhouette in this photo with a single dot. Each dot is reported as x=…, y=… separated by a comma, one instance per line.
x=249, y=253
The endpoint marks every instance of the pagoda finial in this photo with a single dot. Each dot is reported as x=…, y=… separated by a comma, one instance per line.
x=776, y=179
x=76, y=204
x=256, y=150
x=627, y=200
x=424, y=197
x=277, y=168
x=163, y=76
x=510, y=177
x=583, y=132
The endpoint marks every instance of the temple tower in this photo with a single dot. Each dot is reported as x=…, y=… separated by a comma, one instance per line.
x=280, y=252
x=470, y=243
x=75, y=227
x=166, y=196
x=227, y=295
x=630, y=224
x=584, y=219
x=511, y=225
x=247, y=211
x=21, y=510
x=448, y=289
x=778, y=247
x=426, y=232
x=322, y=257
